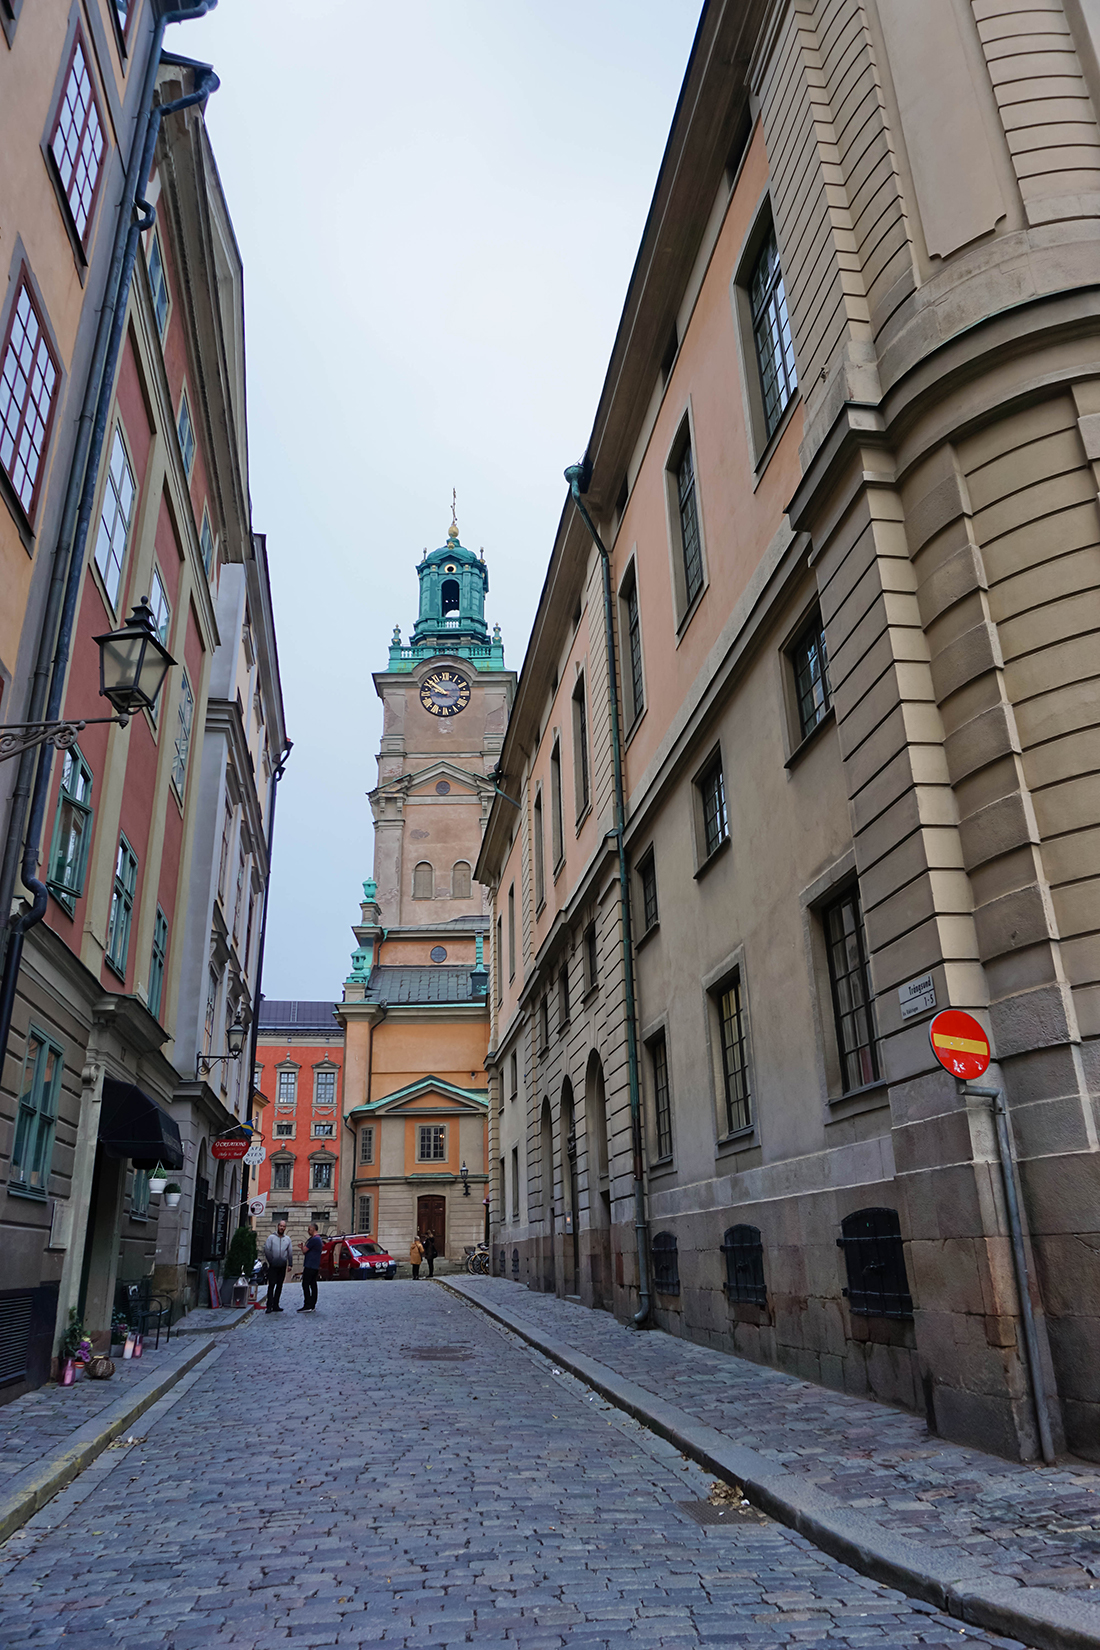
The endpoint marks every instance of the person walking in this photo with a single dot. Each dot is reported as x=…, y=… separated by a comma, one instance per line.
x=311, y=1270
x=431, y=1252
x=278, y=1253
x=416, y=1255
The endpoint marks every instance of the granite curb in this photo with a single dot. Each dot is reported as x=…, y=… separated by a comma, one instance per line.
x=28, y=1491
x=946, y=1577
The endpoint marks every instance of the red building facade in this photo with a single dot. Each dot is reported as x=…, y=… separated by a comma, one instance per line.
x=300, y=1076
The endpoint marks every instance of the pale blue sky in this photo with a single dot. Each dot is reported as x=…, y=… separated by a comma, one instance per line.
x=438, y=206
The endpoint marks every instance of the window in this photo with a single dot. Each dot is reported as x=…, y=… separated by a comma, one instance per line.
x=28, y=381
x=647, y=876
x=810, y=663
x=744, y=1254
x=538, y=849
x=563, y=997
x=281, y=1173
x=365, y=1213
x=122, y=907
x=160, y=607
x=185, y=712
x=320, y=1177
x=581, y=781
x=39, y=1089
x=227, y=838
x=557, y=833
x=850, y=978
x=157, y=962
x=285, y=1130
x=686, y=521
x=286, y=1093
x=515, y=1182
x=544, y=1023
x=513, y=1075
x=432, y=1146
x=78, y=144
x=423, y=880
x=238, y=902
x=211, y=1015
x=498, y=959
x=712, y=799
x=115, y=517
x=366, y=1145
x=512, y=931
x=633, y=685
x=72, y=833
x=139, y=1195
x=461, y=881
x=771, y=330
x=591, y=959
x=662, y=1104
x=874, y=1256
x=324, y=1088
x=666, y=1264
x=206, y=545
x=186, y=432
x=158, y=282
x=735, y=1058
x=323, y=1131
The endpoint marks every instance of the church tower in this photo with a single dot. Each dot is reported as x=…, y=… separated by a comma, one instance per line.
x=415, y=1006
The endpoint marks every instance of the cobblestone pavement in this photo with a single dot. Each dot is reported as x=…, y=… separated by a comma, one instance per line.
x=398, y=1470
x=1041, y=1524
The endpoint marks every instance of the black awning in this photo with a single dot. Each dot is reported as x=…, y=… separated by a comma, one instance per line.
x=131, y=1125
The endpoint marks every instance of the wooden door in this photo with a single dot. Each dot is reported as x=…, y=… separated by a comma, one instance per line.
x=431, y=1216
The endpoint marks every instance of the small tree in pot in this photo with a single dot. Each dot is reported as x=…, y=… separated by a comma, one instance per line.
x=239, y=1261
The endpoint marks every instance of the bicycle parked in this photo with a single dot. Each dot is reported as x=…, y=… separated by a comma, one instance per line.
x=478, y=1259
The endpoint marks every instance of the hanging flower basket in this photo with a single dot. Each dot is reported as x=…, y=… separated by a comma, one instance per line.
x=172, y=1195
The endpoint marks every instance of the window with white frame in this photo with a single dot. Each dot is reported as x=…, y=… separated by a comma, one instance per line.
x=286, y=1093
x=207, y=545
x=160, y=607
x=282, y=1171
x=320, y=1179
x=366, y=1211
x=28, y=382
x=72, y=830
x=285, y=1131
x=115, y=518
x=158, y=282
x=122, y=907
x=185, y=713
x=771, y=331
x=324, y=1086
x=39, y=1091
x=77, y=142
x=366, y=1144
x=323, y=1131
x=432, y=1143
x=186, y=432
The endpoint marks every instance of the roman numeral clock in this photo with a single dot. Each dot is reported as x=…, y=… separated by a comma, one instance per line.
x=444, y=693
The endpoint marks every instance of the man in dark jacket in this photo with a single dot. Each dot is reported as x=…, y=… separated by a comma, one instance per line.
x=311, y=1270
x=431, y=1250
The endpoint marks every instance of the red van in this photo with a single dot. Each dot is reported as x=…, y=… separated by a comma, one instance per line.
x=356, y=1257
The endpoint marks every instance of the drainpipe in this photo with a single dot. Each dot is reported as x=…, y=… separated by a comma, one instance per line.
x=257, y=996
x=574, y=476
x=67, y=570
x=1010, y=1176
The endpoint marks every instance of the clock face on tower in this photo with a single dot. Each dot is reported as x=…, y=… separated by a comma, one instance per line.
x=444, y=693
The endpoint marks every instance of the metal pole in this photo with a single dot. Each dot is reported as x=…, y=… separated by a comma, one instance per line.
x=1014, y=1207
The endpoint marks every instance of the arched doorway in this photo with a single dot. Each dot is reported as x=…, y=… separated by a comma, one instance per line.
x=431, y=1216
x=546, y=1192
x=571, y=1257
x=599, y=1182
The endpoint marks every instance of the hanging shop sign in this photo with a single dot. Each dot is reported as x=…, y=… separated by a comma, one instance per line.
x=228, y=1151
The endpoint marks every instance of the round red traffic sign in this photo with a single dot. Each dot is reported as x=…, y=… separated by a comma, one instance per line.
x=959, y=1044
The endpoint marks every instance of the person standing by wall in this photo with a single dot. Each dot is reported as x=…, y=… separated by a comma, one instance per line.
x=311, y=1269
x=278, y=1253
x=416, y=1255
x=431, y=1250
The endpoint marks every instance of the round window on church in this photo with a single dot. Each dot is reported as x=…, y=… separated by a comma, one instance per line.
x=438, y=953
x=450, y=568
x=443, y=787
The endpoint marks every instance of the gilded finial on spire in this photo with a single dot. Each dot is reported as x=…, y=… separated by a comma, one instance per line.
x=452, y=531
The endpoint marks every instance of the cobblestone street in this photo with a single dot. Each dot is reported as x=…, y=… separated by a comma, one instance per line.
x=399, y=1470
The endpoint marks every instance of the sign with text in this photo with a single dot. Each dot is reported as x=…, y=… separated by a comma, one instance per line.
x=959, y=1044
x=228, y=1151
x=255, y=1155
x=917, y=996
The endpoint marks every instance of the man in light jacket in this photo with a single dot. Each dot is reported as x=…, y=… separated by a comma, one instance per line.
x=278, y=1253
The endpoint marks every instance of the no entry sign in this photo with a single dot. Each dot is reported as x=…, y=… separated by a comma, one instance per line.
x=959, y=1044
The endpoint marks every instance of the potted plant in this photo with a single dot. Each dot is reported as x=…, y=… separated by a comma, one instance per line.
x=75, y=1350
x=239, y=1261
x=120, y=1328
x=158, y=1180
x=172, y=1195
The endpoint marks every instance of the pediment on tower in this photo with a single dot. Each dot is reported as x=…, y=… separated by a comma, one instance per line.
x=427, y=1095
x=427, y=781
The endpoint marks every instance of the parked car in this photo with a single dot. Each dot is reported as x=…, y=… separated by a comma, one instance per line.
x=356, y=1257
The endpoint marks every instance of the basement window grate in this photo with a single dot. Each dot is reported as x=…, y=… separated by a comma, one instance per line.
x=666, y=1264
x=744, y=1252
x=15, y=1337
x=878, y=1285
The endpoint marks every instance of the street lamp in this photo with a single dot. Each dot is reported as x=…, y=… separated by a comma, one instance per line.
x=235, y=1038
x=465, y=1173
x=133, y=663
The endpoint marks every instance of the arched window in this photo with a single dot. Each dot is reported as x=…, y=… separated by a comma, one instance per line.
x=423, y=881
x=461, y=881
x=449, y=596
x=744, y=1254
x=666, y=1264
x=874, y=1255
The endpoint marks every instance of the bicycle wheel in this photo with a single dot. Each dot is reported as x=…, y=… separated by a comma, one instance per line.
x=471, y=1264
x=483, y=1265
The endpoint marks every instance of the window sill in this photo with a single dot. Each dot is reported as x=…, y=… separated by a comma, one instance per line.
x=634, y=726
x=774, y=439
x=582, y=816
x=742, y=1140
x=645, y=938
x=540, y=907
x=663, y=1166
x=563, y=1028
x=559, y=868
x=879, y=1086
x=119, y=973
x=34, y=1194
x=139, y=1220
x=593, y=991
x=682, y=626
x=717, y=854
x=800, y=749
x=63, y=897
x=23, y=523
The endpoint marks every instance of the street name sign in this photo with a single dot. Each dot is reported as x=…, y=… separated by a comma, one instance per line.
x=917, y=996
x=959, y=1044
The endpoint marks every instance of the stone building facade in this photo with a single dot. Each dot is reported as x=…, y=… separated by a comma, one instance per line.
x=845, y=462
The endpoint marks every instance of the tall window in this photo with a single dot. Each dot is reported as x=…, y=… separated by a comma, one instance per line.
x=662, y=1103
x=160, y=607
x=321, y=1177
x=591, y=958
x=122, y=907
x=78, y=143
x=324, y=1088
x=158, y=282
x=735, y=1058
x=73, y=830
x=365, y=1212
x=432, y=1143
x=771, y=329
x=511, y=931
x=186, y=432
x=156, y=964
x=557, y=833
x=850, y=978
x=691, y=548
x=227, y=838
x=538, y=847
x=185, y=712
x=498, y=960
x=810, y=662
x=286, y=1093
x=139, y=1195
x=423, y=880
x=515, y=1182
x=563, y=996
x=281, y=1176
x=28, y=381
x=115, y=518
x=211, y=1014
x=32, y=1152
x=206, y=545
x=238, y=905
x=632, y=673
x=647, y=876
x=461, y=880
x=581, y=782
x=366, y=1144
x=712, y=799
